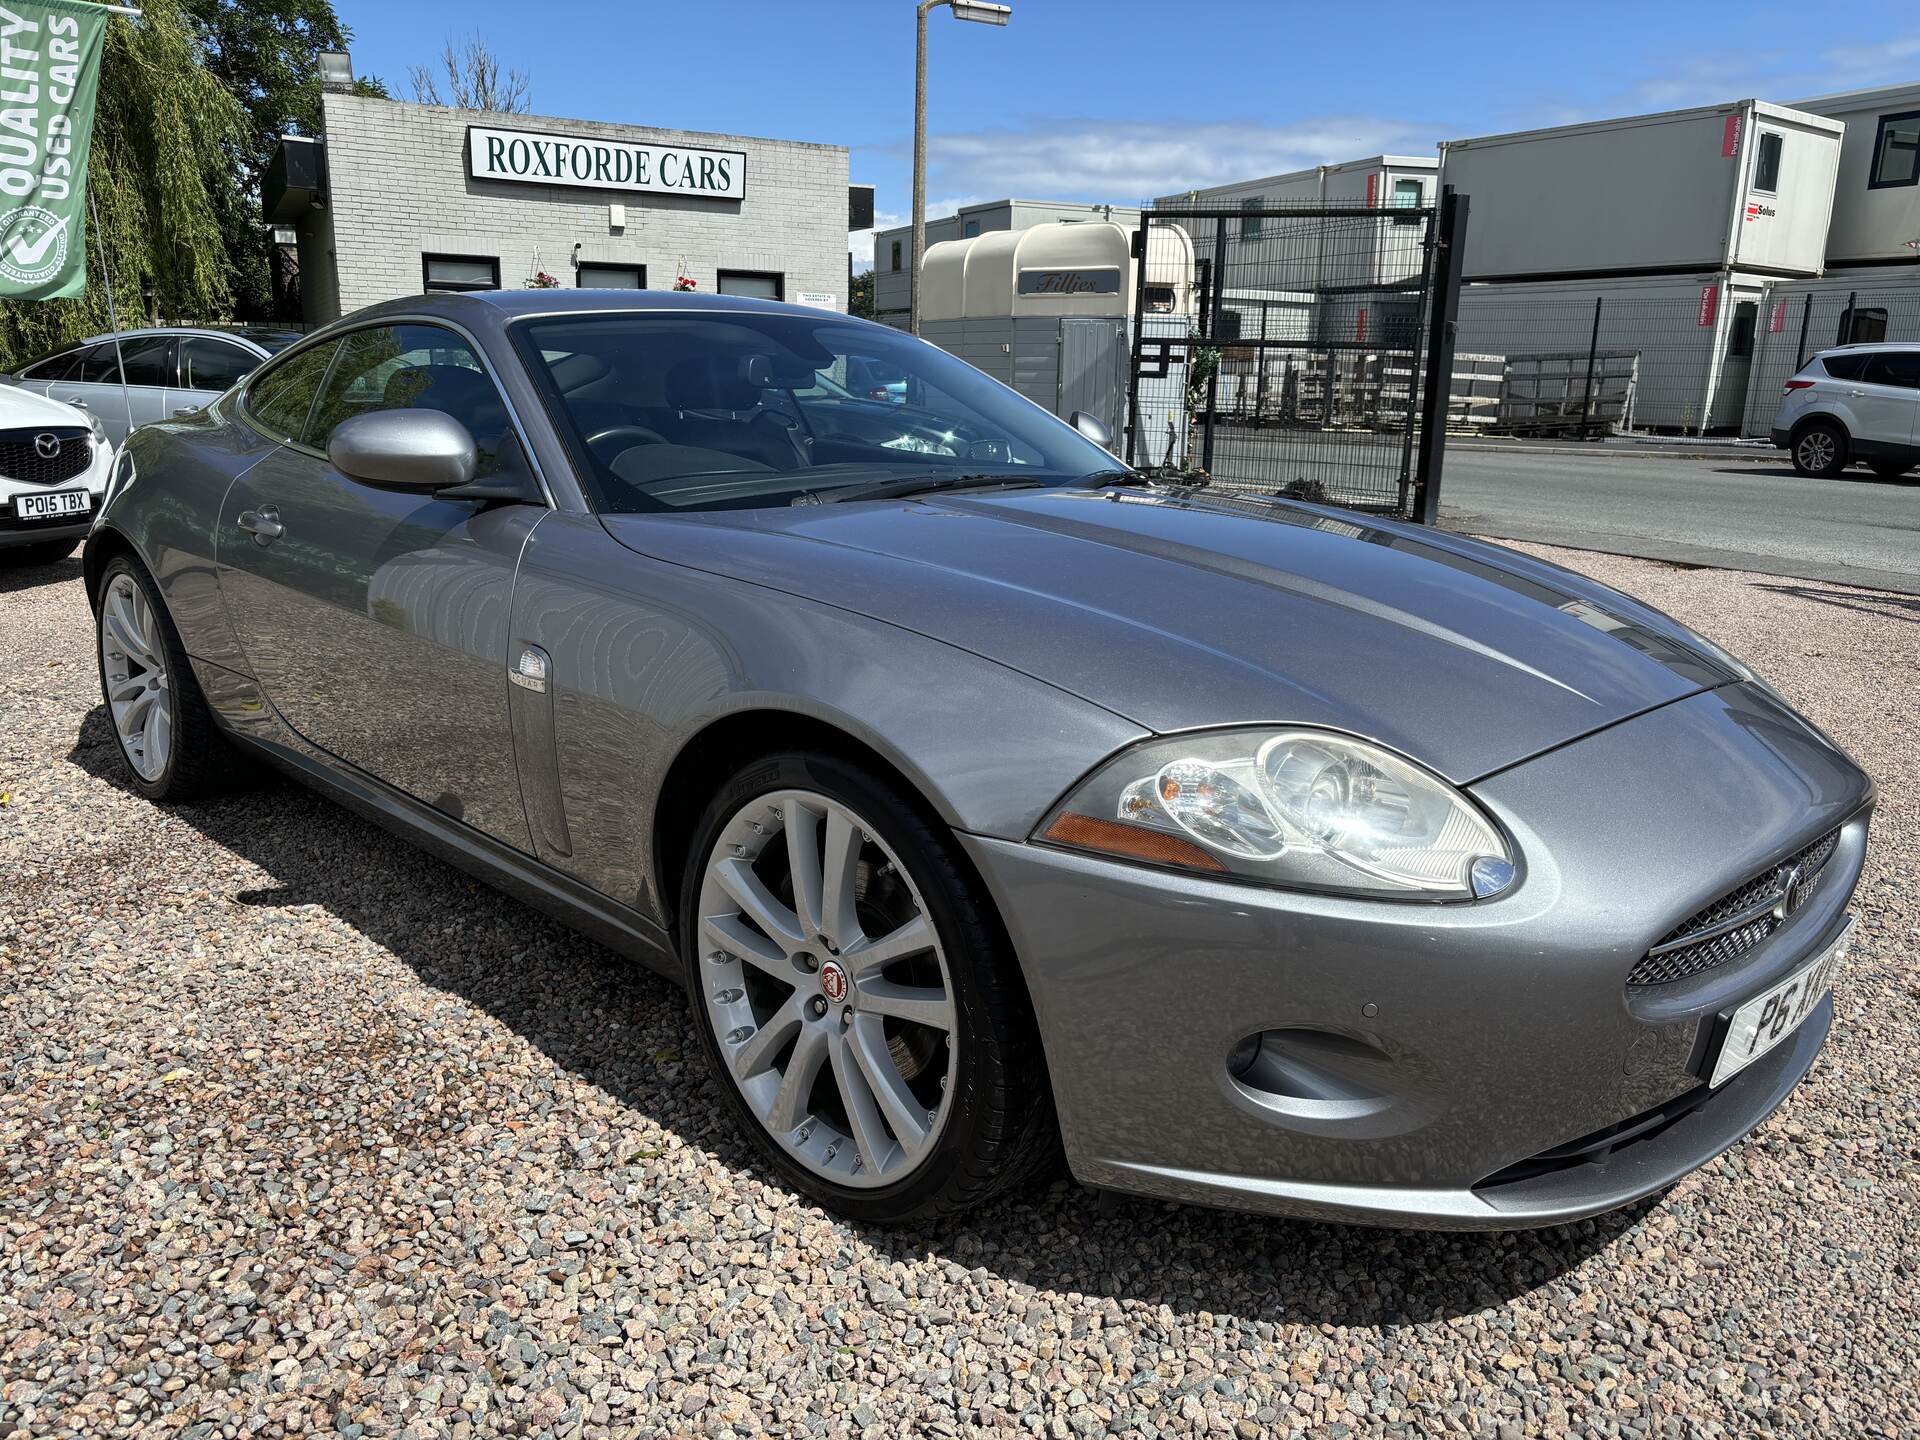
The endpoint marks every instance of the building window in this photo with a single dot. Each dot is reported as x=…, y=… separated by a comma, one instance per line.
x=757, y=283
x=1896, y=152
x=896, y=254
x=460, y=272
x=1740, y=336
x=1250, y=223
x=1864, y=326
x=1766, y=166
x=1408, y=195
x=973, y=229
x=591, y=276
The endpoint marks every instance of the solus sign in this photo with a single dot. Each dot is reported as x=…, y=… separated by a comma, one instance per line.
x=534, y=157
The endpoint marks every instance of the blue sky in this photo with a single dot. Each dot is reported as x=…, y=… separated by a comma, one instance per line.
x=1122, y=100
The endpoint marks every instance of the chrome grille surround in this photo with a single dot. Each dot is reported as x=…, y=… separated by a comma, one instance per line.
x=1738, y=921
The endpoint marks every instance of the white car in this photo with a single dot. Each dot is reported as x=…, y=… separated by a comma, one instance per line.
x=54, y=463
x=1855, y=402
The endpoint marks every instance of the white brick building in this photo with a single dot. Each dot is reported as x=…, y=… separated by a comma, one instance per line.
x=399, y=198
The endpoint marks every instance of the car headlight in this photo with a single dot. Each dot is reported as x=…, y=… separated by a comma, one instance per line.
x=1304, y=809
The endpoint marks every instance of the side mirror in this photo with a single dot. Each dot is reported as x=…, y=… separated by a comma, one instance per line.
x=1093, y=427
x=404, y=449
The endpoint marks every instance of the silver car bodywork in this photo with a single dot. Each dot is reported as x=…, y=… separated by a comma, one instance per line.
x=1475, y=1064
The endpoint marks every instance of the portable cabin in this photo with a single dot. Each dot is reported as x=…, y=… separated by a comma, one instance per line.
x=1876, y=201
x=1051, y=311
x=1745, y=186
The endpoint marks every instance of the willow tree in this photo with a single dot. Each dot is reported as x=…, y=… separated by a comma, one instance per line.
x=163, y=131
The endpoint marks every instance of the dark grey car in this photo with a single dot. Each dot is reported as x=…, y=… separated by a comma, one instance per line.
x=987, y=798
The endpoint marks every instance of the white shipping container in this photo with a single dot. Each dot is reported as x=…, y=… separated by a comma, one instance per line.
x=1746, y=186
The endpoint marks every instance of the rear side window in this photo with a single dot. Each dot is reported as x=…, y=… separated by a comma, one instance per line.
x=149, y=361
x=54, y=367
x=280, y=398
x=1894, y=367
x=213, y=364
x=1845, y=367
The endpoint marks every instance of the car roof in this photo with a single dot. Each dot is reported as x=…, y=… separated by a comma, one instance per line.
x=511, y=304
x=1868, y=346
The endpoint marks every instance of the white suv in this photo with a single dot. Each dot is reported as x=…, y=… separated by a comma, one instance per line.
x=54, y=462
x=1857, y=402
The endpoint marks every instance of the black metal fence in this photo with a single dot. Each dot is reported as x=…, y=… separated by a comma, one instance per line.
x=1678, y=357
x=1287, y=348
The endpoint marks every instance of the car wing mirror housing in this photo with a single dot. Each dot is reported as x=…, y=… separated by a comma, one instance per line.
x=1093, y=427
x=404, y=450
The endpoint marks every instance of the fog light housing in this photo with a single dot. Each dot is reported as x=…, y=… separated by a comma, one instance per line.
x=1240, y=1059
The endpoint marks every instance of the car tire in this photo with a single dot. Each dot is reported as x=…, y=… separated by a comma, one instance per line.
x=44, y=552
x=796, y=1066
x=1890, y=469
x=160, y=719
x=1820, y=450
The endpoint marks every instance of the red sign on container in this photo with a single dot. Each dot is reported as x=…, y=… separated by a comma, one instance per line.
x=1709, y=303
x=1360, y=326
x=1373, y=190
x=1778, y=322
x=1730, y=138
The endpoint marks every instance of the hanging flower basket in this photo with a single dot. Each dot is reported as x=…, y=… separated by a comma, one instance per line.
x=684, y=282
x=541, y=280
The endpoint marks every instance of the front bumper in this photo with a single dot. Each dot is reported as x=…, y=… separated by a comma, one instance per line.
x=15, y=532
x=1418, y=1057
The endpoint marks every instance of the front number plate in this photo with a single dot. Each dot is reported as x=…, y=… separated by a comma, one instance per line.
x=1770, y=1017
x=52, y=504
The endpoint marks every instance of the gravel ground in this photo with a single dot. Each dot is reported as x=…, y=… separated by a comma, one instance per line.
x=301, y=1131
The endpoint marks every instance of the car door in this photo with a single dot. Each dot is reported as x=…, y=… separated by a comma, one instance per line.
x=206, y=367
x=1892, y=378
x=376, y=620
x=94, y=383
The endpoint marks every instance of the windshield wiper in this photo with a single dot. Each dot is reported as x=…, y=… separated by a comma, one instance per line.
x=916, y=485
x=1101, y=479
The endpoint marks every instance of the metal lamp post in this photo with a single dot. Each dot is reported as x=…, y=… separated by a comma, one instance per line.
x=981, y=13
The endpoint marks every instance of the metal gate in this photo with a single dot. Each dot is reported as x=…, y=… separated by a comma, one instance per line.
x=1309, y=352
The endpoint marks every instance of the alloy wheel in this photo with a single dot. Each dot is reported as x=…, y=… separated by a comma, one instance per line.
x=1816, y=450
x=825, y=983
x=132, y=658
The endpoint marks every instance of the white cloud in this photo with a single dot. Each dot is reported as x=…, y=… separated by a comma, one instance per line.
x=1126, y=161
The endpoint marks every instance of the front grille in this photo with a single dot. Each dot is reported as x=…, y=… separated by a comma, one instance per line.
x=1736, y=922
x=20, y=457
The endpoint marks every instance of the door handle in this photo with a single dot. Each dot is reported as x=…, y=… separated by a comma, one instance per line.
x=263, y=525
x=182, y=411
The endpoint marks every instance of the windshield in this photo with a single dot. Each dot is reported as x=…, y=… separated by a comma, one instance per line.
x=680, y=410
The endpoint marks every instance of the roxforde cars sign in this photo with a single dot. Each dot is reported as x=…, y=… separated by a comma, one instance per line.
x=536, y=158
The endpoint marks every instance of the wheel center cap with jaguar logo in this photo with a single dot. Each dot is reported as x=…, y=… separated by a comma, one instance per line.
x=833, y=982
x=1791, y=881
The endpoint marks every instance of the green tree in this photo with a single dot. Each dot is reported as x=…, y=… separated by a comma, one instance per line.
x=265, y=53
x=164, y=128
x=860, y=295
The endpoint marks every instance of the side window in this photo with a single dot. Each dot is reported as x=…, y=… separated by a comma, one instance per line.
x=1766, y=165
x=149, y=361
x=54, y=367
x=413, y=367
x=1250, y=223
x=213, y=364
x=1894, y=367
x=1844, y=367
x=281, y=396
x=1896, y=152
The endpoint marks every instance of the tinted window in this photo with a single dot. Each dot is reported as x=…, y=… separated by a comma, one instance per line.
x=213, y=364
x=1766, y=166
x=1894, y=367
x=460, y=272
x=1896, y=151
x=412, y=367
x=149, y=361
x=1740, y=337
x=1250, y=224
x=1865, y=325
x=281, y=396
x=611, y=277
x=54, y=367
x=1845, y=367
x=758, y=284
x=670, y=411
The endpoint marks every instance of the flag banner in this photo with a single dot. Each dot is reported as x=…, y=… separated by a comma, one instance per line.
x=49, y=76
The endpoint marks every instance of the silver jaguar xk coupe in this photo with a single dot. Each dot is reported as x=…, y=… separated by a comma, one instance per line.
x=987, y=798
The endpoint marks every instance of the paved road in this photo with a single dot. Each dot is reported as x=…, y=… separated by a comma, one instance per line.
x=1732, y=514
